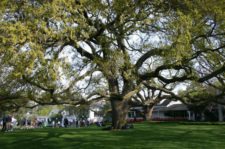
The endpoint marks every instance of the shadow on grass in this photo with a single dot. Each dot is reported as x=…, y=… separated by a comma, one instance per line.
x=144, y=135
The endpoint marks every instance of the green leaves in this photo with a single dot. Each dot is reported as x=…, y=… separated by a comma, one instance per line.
x=34, y=35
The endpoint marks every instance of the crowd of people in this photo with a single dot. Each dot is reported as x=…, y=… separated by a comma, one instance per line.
x=70, y=123
x=8, y=123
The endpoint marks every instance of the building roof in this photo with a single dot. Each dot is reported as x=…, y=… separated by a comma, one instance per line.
x=172, y=107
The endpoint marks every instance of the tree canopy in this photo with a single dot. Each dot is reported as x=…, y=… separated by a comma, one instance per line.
x=50, y=48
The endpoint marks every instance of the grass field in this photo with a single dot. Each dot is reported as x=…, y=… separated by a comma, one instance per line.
x=144, y=135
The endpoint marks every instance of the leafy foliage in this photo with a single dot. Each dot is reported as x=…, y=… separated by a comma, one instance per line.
x=51, y=47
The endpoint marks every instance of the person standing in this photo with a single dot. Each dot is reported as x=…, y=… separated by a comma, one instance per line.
x=8, y=123
x=4, y=123
x=66, y=122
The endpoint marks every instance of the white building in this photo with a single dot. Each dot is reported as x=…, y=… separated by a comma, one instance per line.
x=94, y=112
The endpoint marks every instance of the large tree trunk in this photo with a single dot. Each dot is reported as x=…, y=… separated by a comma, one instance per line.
x=220, y=112
x=148, y=113
x=120, y=110
x=119, y=104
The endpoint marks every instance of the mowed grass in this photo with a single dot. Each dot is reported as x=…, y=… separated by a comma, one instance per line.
x=144, y=135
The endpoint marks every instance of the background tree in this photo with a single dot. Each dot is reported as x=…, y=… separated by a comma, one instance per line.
x=148, y=97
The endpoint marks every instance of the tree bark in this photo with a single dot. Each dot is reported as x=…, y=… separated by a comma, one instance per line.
x=220, y=113
x=120, y=110
x=148, y=113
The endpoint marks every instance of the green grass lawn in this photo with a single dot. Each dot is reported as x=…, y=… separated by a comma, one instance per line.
x=144, y=135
